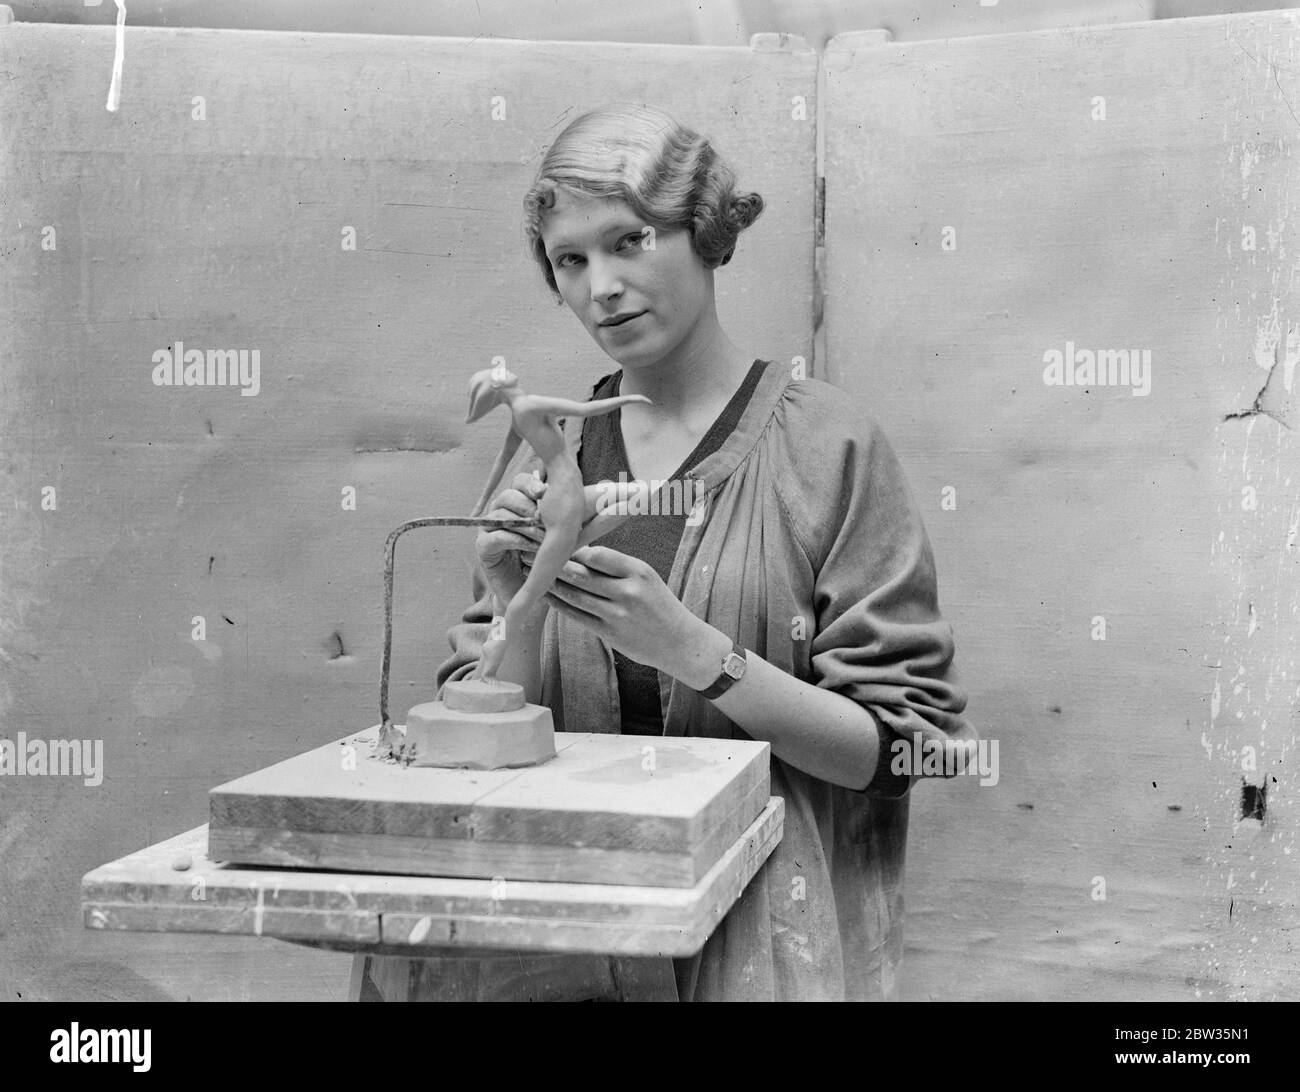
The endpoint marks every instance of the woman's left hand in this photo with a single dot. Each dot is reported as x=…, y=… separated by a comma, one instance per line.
x=626, y=603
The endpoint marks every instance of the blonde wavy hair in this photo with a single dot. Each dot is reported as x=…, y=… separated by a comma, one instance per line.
x=670, y=175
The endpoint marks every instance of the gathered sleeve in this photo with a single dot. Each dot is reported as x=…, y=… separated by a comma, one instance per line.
x=880, y=639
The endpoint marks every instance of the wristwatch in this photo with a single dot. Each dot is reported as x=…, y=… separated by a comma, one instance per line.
x=733, y=670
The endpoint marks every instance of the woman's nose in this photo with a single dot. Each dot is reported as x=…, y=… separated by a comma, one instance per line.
x=605, y=281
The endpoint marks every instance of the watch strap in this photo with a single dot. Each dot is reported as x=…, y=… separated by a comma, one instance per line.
x=724, y=681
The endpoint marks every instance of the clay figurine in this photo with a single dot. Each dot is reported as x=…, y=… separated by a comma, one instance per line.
x=562, y=506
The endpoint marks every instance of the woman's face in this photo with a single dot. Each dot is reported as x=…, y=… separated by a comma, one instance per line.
x=607, y=267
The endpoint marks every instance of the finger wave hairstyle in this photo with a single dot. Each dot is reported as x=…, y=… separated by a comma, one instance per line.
x=669, y=174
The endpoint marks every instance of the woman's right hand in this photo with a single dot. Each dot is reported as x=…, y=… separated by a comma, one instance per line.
x=499, y=550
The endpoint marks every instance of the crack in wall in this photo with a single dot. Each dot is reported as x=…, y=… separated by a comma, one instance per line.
x=1270, y=402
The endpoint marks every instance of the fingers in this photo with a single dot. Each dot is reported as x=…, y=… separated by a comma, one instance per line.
x=511, y=502
x=601, y=559
x=578, y=586
x=530, y=488
x=495, y=548
x=504, y=541
x=529, y=484
x=593, y=621
x=519, y=501
x=580, y=577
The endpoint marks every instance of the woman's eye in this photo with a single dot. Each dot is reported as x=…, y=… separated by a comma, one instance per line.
x=627, y=242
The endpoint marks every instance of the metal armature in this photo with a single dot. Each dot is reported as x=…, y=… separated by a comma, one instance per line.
x=390, y=548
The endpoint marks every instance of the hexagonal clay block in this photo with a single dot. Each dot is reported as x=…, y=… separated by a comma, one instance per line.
x=438, y=736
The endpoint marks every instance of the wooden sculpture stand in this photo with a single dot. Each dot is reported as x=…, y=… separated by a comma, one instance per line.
x=578, y=877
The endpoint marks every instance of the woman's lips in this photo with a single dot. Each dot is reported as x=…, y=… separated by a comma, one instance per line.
x=620, y=325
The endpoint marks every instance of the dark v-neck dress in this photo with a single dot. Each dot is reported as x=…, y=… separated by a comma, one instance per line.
x=653, y=538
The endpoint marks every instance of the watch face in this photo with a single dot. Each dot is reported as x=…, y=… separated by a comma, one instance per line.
x=734, y=665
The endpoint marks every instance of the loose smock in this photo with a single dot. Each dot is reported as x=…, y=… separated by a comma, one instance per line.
x=813, y=555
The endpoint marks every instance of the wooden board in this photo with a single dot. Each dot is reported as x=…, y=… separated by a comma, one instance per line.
x=411, y=915
x=593, y=814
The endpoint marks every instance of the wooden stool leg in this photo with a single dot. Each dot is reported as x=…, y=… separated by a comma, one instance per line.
x=373, y=980
x=511, y=976
x=359, y=977
x=381, y=978
x=643, y=978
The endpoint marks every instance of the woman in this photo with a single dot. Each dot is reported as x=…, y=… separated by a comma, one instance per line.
x=810, y=567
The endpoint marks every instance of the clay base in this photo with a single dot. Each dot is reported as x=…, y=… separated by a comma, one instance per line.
x=479, y=696
x=437, y=735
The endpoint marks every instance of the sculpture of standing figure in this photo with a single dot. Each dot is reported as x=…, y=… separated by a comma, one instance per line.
x=562, y=506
